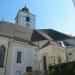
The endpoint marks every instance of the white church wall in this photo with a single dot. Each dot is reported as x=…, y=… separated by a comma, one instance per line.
x=29, y=57
x=4, y=41
x=8, y=53
x=9, y=57
x=32, y=21
x=22, y=19
x=7, y=62
x=2, y=71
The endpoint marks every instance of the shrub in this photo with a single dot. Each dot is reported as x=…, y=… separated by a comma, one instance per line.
x=67, y=68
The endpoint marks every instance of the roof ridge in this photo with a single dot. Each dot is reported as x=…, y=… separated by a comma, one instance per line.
x=62, y=33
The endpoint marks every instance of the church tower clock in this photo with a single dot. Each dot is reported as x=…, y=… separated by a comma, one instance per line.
x=25, y=18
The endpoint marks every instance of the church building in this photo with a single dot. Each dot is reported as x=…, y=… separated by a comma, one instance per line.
x=23, y=46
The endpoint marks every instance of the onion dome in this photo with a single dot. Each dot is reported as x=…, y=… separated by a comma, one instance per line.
x=25, y=9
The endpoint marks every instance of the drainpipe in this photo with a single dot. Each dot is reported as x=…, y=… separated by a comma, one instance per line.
x=7, y=57
x=38, y=61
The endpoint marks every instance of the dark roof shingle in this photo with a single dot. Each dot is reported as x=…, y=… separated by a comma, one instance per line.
x=55, y=35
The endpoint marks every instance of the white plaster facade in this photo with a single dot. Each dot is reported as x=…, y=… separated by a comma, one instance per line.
x=4, y=41
x=29, y=56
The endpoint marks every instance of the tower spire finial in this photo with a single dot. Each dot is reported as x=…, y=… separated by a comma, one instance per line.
x=25, y=18
x=25, y=5
x=25, y=9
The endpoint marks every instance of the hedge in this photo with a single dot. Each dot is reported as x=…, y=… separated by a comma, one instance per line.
x=67, y=68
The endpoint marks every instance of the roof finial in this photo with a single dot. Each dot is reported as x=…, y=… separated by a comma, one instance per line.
x=70, y=34
x=25, y=9
x=25, y=5
x=2, y=19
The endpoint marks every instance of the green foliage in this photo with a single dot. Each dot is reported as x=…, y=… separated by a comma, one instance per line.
x=67, y=68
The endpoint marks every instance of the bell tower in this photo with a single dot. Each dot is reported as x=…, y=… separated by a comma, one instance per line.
x=25, y=19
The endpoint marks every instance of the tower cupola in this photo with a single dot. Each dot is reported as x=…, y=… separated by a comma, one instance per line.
x=25, y=18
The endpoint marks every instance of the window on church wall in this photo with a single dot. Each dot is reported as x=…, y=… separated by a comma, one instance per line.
x=44, y=63
x=27, y=19
x=18, y=72
x=2, y=55
x=70, y=56
x=19, y=54
x=27, y=25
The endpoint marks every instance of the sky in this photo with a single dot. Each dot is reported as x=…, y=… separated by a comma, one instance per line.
x=50, y=14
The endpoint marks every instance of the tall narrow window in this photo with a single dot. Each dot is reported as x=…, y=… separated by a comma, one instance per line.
x=2, y=55
x=18, y=57
x=27, y=19
x=44, y=63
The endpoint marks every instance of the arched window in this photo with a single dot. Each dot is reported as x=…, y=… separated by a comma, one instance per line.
x=44, y=63
x=27, y=19
x=2, y=55
x=29, y=69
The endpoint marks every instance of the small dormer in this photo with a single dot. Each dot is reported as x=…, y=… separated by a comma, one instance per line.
x=25, y=18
